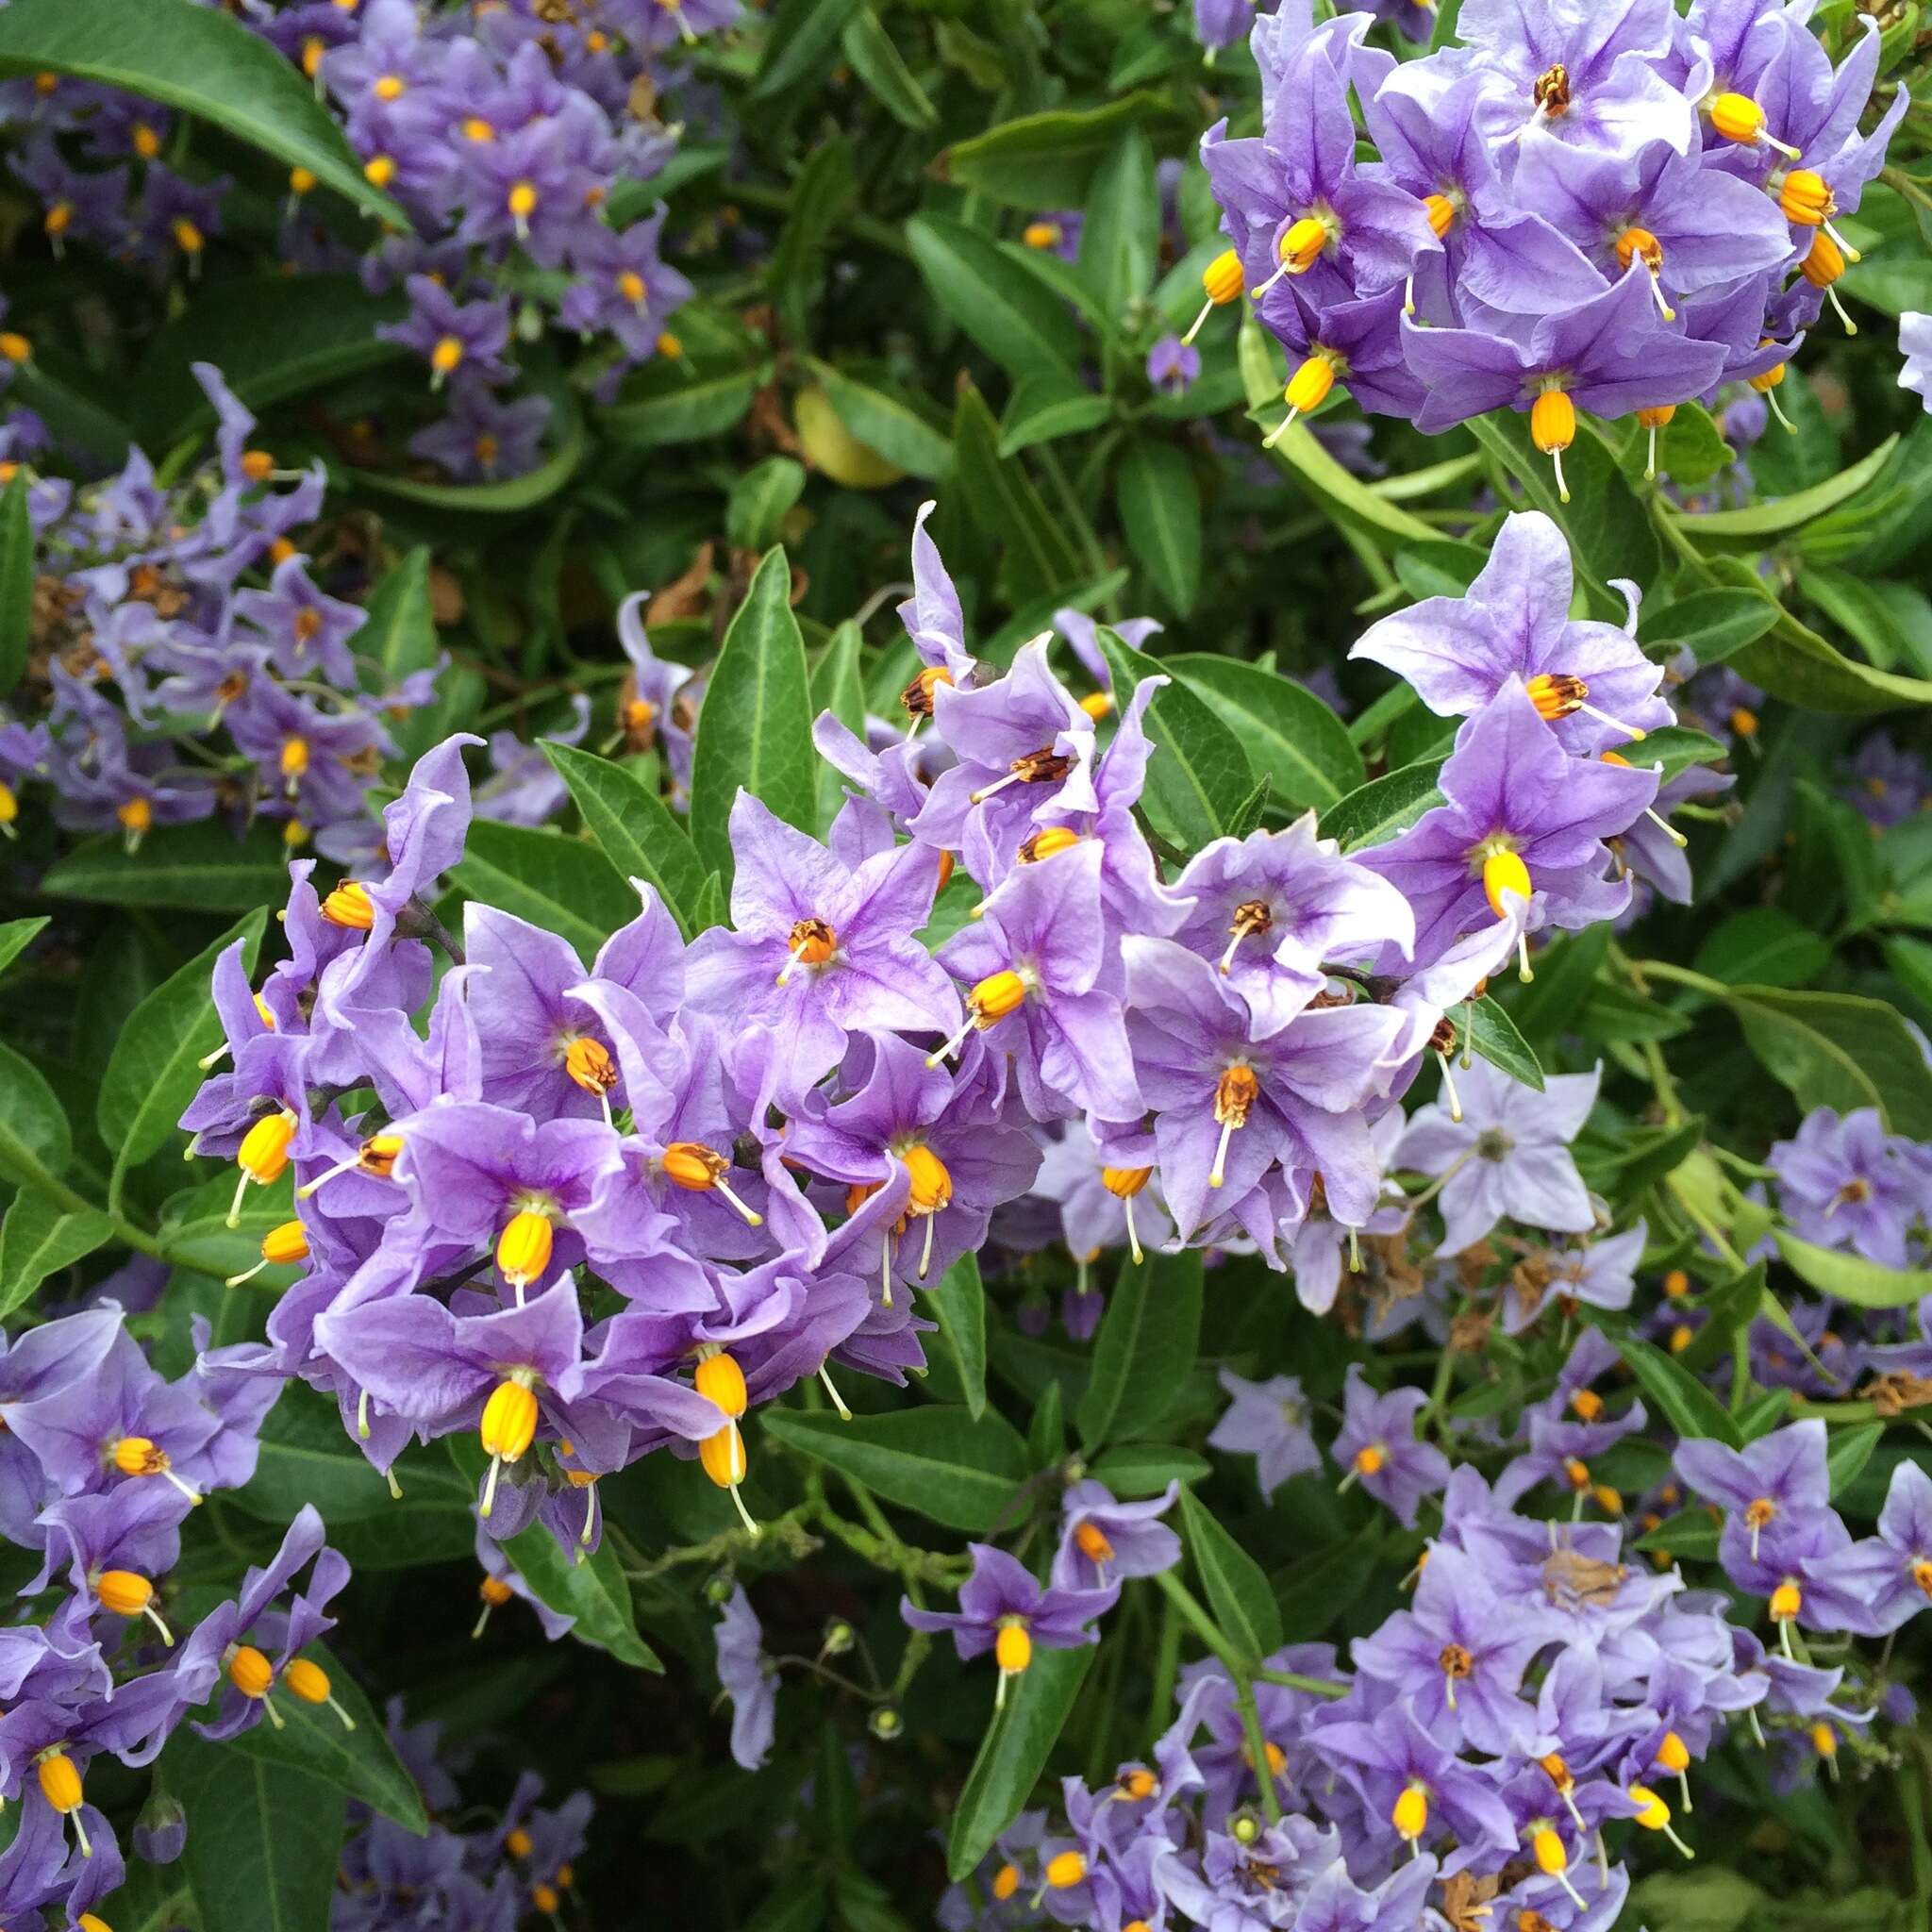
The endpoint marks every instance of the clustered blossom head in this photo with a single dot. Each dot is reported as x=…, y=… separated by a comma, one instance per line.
x=104, y=1460
x=504, y=132
x=485, y=1879
x=186, y=665
x=1562, y=210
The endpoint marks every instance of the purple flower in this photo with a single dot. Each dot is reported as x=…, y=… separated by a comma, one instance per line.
x=1915, y=345
x=1004, y=1610
x=1414, y=1787
x=449, y=335
x=1268, y=1420
x=483, y=437
x=1904, y=1535
x=818, y=950
x=1505, y=1155
x=1589, y=681
x=1777, y=1481
x=1103, y=1540
x=1378, y=1446
x=1849, y=1184
x=1520, y=809
x=1173, y=366
x=749, y=1679
x=1885, y=784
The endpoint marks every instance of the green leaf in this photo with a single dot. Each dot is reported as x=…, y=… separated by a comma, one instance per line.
x=1385, y=806
x=1313, y=1592
x=1609, y=530
x=1047, y=161
x=1713, y=624
x=755, y=726
x=1690, y=450
x=1144, y=1469
x=1037, y=560
x=1049, y=403
x=35, y=1139
x=885, y=420
x=669, y=403
x=1151, y=1329
x=957, y=1302
x=272, y=337
x=877, y=60
x=564, y=884
x=994, y=301
x=16, y=936
x=1237, y=1593
x=1291, y=737
x=39, y=1238
x=1851, y=1277
x=938, y=1460
x=838, y=687
x=1493, y=1033
x=1763, y=947
x=1759, y=524
x=400, y=633
x=759, y=501
x=820, y=195
x=1676, y=748
x=1849, y=1451
x=1161, y=510
x=1014, y=1752
x=16, y=583
x=1199, y=777
x=262, y=1838
x=154, y=1070
x=1684, y=1401
x=312, y=1738
x=203, y=61
x=1842, y=1051
x=1120, y=240
x=1690, y=1533
x=799, y=46
x=637, y=830
x=201, y=868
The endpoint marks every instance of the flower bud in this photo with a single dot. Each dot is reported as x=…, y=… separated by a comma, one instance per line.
x=161, y=1831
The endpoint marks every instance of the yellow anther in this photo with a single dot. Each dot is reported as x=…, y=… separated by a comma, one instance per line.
x=350, y=906
x=1681, y=1337
x=264, y=1154
x=1056, y=838
x=589, y=1063
x=1587, y=1402
x=1553, y=430
x=1676, y=1284
x=1739, y=118
x=1824, y=262
x=446, y=355
x=301, y=182
x=1308, y=389
x=931, y=1183
x=1505, y=872
x=494, y=1591
x=545, y=1898
x=250, y=1672
x=1673, y=1753
x=720, y=1378
x=16, y=348
x=1370, y=1459
x=1139, y=1784
x=1092, y=1542
x=1221, y=279
x=390, y=87
x=523, y=1248
x=309, y=1682
x=137, y=818
x=509, y=1419
x=1123, y=1183
x=59, y=1781
x=1012, y=1648
x=995, y=996
x=1065, y=1868
x=294, y=757
x=1547, y=1845
x=1301, y=246
x=1823, y=1740
x=1411, y=1816
x=631, y=285
x=379, y=170
x=516, y=1840
x=1787, y=1600
x=522, y=200
x=475, y=128
x=1005, y=1882
x=1441, y=212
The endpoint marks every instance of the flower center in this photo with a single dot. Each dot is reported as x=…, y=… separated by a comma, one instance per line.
x=810, y=943
x=1551, y=92
x=1092, y=1542
x=1251, y=917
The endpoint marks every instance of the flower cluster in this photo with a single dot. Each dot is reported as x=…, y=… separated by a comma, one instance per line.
x=1497, y=1749
x=763, y=1140
x=505, y=132
x=483, y=1880
x=186, y=662
x=1846, y=1183
x=1562, y=212
x=105, y=1458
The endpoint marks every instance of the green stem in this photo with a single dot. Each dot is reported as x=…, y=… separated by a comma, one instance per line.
x=1167, y=1662
x=31, y=1174
x=1294, y=1681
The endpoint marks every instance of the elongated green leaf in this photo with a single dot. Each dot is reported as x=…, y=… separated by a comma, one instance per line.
x=1014, y=1753
x=151, y=1898
x=1759, y=524
x=838, y=687
x=1199, y=777
x=201, y=868
x=1384, y=807
x=262, y=1838
x=1842, y=1051
x=635, y=827
x=201, y=60
x=1849, y=1451
x=885, y=420
x=998, y=304
x=16, y=936
x=755, y=727
x=819, y=196
x=760, y=500
x=1160, y=510
x=565, y=884
x=877, y=60
x=1292, y=738
x=313, y=1738
x=1037, y=558
x=1047, y=405
x=272, y=337
x=1851, y=1277
x=669, y=404
x=800, y=45
x=1047, y=160
x=1493, y=1033
x=1121, y=239
x=1713, y=624
x=958, y=1305
x=154, y=1071
x=1151, y=1329
x=1684, y=1401
x=400, y=634
x=16, y=582
x=39, y=1238
x=939, y=1461
x=1764, y=947
x=34, y=1135
x=1144, y=1469
x=1237, y=1593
